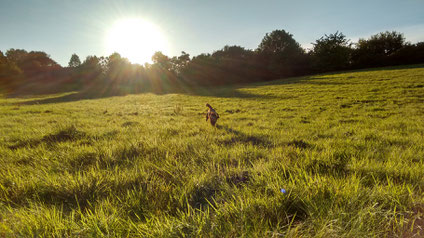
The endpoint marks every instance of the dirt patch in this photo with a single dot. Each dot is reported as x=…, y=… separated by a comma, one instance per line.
x=299, y=144
x=415, y=225
x=130, y=124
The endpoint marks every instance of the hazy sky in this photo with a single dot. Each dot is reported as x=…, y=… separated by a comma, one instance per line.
x=61, y=27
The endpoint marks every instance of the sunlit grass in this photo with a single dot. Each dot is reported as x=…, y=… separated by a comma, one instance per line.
x=348, y=148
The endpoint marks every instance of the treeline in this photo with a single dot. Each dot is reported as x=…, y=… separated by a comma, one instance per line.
x=278, y=55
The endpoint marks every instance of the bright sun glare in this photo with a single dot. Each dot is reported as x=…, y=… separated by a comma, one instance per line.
x=135, y=39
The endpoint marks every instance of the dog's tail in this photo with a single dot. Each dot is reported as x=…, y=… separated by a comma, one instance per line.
x=207, y=104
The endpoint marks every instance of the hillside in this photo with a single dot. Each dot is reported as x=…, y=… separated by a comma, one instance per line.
x=347, y=148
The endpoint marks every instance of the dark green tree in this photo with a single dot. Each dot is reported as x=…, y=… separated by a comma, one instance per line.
x=383, y=43
x=93, y=67
x=31, y=62
x=93, y=61
x=376, y=50
x=281, y=43
x=117, y=67
x=161, y=60
x=161, y=73
x=180, y=62
x=9, y=72
x=282, y=54
x=331, y=52
x=74, y=61
x=41, y=59
x=16, y=55
x=184, y=57
x=3, y=58
x=232, y=52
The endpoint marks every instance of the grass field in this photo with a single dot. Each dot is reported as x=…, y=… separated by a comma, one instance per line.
x=348, y=148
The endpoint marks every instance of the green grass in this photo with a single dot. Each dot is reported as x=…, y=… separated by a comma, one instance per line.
x=347, y=147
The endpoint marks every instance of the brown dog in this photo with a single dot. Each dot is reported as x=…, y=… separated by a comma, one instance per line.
x=212, y=115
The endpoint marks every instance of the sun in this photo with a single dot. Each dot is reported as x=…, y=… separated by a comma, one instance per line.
x=135, y=39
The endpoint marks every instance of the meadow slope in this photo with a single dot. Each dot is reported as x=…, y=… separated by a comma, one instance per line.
x=348, y=148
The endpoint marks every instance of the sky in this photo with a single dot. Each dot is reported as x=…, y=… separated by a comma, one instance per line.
x=63, y=27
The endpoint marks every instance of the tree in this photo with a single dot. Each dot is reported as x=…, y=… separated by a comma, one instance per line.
x=229, y=65
x=41, y=59
x=117, y=67
x=92, y=67
x=280, y=42
x=180, y=62
x=161, y=60
x=236, y=64
x=282, y=54
x=16, y=55
x=233, y=52
x=3, y=58
x=331, y=52
x=409, y=54
x=74, y=61
x=33, y=62
x=161, y=74
x=9, y=72
x=184, y=57
x=384, y=43
x=375, y=51
x=93, y=61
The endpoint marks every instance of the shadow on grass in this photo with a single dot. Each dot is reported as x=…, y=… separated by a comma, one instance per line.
x=370, y=177
x=230, y=91
x=311, y=79
x=227, y=92
x=69, y=133
x=240, y=137
x=411, y=66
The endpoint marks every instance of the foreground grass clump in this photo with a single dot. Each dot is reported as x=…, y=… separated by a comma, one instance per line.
x=348, y=148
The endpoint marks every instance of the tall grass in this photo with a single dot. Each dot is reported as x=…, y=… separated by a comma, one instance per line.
x=348, y=148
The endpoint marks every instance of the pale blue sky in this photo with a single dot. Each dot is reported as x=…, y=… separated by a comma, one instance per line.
x=61, y=27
